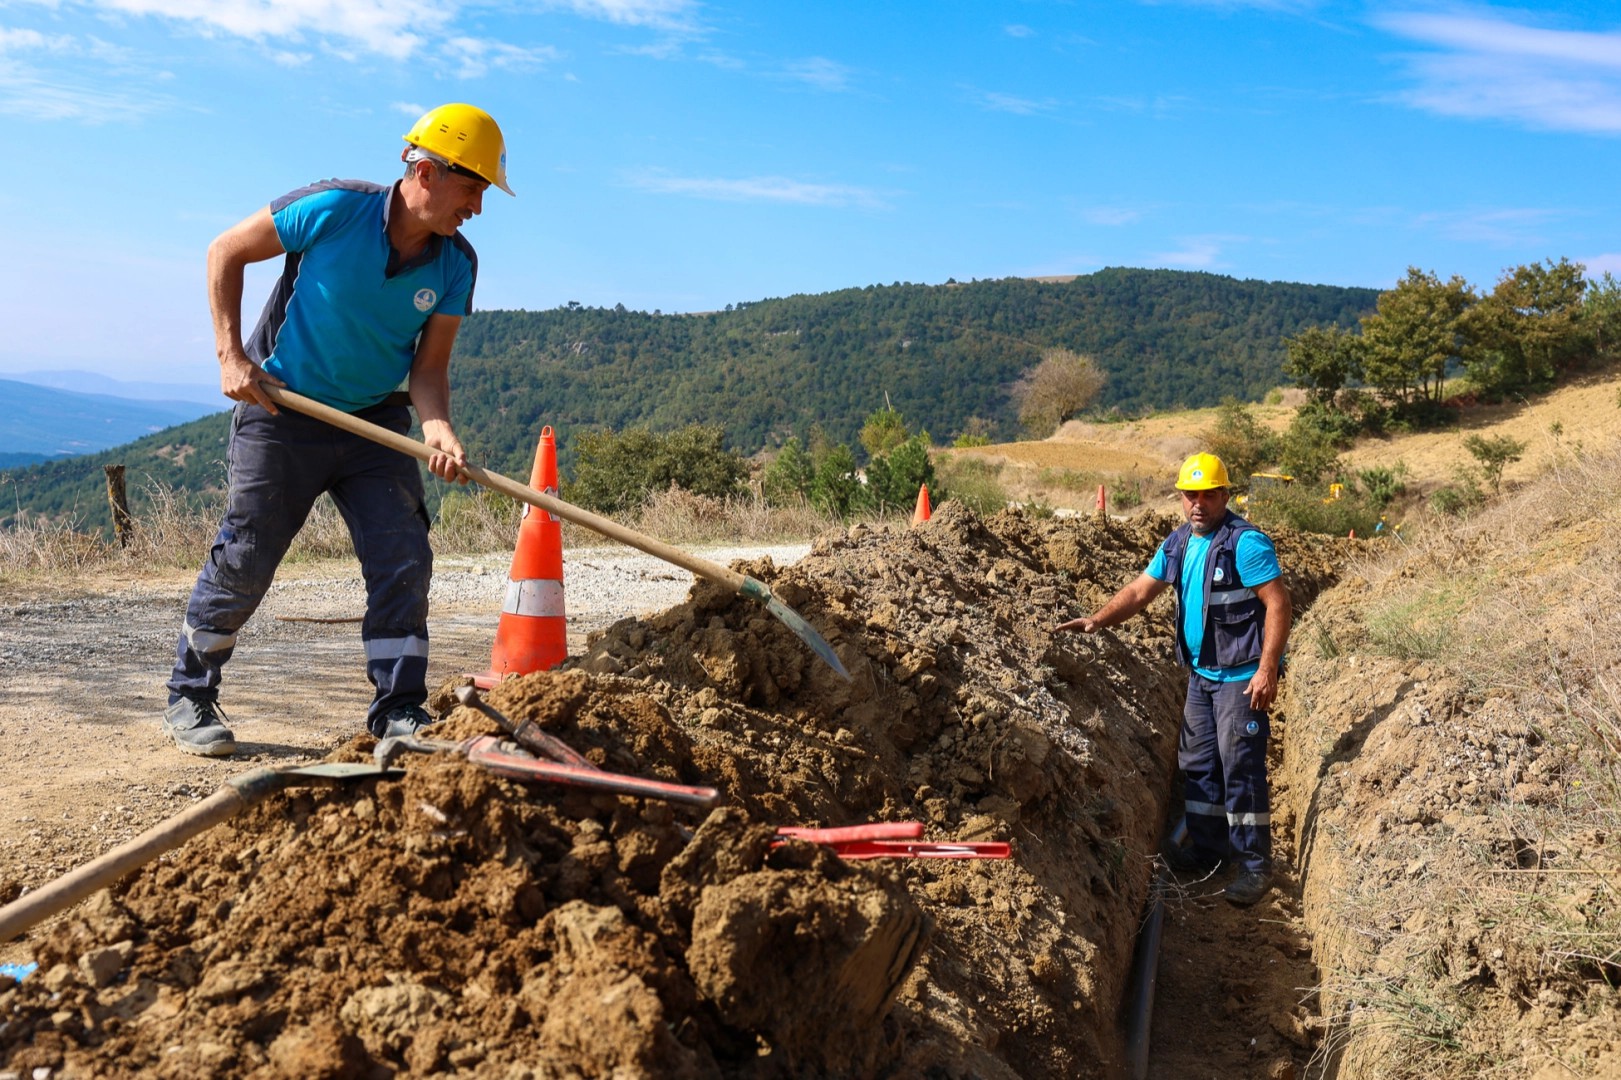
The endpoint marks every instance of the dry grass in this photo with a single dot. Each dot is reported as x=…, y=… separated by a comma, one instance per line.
x=1521, y=603
x=171, y=533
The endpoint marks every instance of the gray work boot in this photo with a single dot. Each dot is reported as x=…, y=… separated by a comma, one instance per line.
x=400, y=720
x=196, y=727
x=1247, y=888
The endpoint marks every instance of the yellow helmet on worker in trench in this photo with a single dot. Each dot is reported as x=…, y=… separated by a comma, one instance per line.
x=1202, y=472
x=467, y=136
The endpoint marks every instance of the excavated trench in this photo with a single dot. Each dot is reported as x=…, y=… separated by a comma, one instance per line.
x=455, y=922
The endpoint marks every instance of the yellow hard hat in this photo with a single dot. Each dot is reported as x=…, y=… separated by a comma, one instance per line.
x=467, y=136
x=1201, y=472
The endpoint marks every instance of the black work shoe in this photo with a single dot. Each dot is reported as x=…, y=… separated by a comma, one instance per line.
x=1190, y=860
x=1247, y=888
x=400, y=720
x=196, y=726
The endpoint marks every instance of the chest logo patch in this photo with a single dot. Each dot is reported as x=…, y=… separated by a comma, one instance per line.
x=1219, y=576
x=425, y=299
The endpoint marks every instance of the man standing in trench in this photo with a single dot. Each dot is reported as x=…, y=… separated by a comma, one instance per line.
x=373, y=290
x=1233, y=616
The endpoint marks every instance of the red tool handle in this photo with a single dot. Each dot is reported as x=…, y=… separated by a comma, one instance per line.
x=482, y=752
x=907, y=849
x=882, y=830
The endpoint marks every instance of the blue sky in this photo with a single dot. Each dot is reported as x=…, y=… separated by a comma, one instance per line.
x=681, y=155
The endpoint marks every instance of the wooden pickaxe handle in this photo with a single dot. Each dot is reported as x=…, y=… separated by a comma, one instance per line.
x=738, y=583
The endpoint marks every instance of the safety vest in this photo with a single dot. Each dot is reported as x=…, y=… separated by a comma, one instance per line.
x=1233, y=617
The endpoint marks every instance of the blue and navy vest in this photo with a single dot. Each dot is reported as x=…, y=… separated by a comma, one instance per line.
x=1233, y=617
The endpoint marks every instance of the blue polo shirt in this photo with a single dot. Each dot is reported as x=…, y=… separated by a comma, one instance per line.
x=1257, y=563
x=342, y=323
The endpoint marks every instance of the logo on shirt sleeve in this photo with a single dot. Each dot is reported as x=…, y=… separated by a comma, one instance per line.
x=425, y=299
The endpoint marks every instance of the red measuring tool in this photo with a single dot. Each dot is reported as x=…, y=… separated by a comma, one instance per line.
x=891, y=840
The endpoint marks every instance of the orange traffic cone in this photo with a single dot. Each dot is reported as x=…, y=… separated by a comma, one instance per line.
x=533, y=632
x=921, y=513
x=1103, y=501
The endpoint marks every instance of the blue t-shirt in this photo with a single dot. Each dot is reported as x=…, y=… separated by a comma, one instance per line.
x=1257, y=564
x=341, y=325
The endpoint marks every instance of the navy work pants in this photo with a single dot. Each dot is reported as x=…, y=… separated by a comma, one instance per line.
x=278, y=466
x=1222, y=753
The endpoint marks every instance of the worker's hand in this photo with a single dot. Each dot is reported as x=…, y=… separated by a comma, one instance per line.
x=1263, y=689
x=449, y=460
x=241, y=380
x=1088, y=625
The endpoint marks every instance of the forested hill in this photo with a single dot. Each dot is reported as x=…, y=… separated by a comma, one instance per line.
x=943, y=353
x=772, y=368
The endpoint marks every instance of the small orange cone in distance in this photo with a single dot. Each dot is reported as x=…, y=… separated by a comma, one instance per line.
x=1103, y=501
x=533, y=632
x=921, y=513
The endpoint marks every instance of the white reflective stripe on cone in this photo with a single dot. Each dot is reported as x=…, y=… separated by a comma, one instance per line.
x=537, y=596
x=392, y=648
x=1205, y=808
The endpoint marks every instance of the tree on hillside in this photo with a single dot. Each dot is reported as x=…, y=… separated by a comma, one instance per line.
x=1529, y=329
x=1240, y=440
x=1417, y=331
x=836, y=489
x=1601, y=315
x=1495, y=453
x=1057, y=389
x=615, y=471
x=883, y=431
x=788, y=479
x=1322, y=359
x=893, y=479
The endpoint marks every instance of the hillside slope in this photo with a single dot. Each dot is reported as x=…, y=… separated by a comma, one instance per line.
x=766, y=370
x=1144, y=453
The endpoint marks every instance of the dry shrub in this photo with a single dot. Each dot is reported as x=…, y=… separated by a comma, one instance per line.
x=678, y=516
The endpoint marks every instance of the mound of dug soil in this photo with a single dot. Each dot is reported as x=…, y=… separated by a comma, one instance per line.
x=453, y=922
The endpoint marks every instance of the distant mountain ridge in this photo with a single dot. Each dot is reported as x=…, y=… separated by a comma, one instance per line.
x=202, y=392
x=57, y=423
x=769, y=369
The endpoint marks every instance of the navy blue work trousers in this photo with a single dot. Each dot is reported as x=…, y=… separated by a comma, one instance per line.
x=278, y=466
x=1222, y=754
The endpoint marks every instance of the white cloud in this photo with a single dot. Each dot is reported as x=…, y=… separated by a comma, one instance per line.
x=660, y=14
x=1599, y=265
x=1492, y=67
x=33, y=97
x=396, y=29
x=1018, y=30
x=16, y=41
x=818, y=71
x=772, y=189
x=1511, y=227
x=476, y=56
x=1196, y=253
x=1110, y=215
x=995, y=101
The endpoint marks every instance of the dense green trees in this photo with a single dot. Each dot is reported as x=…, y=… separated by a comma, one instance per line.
x=614, y=472
x=947, y=357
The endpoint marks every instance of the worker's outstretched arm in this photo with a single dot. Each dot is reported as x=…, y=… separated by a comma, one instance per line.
x=1280, y=616
x=251, y=240
x=1121, y=606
